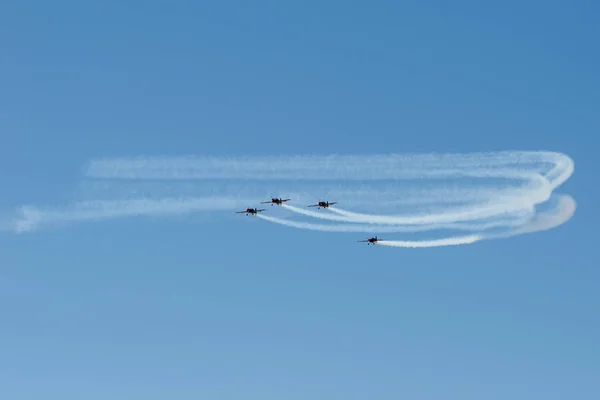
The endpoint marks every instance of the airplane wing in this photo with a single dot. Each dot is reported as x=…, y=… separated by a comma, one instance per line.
x=313, y=205
x=362, y=240
x=335, y=202
x=260, y=210
x=265, y=202
x=241, y=212
x=286, y=200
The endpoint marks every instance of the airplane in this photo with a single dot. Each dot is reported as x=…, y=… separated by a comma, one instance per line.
x=372, y=240
x=275, y=201
x=252, y=211
x=323, y=204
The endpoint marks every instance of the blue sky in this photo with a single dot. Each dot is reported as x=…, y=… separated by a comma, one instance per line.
x=224, y=307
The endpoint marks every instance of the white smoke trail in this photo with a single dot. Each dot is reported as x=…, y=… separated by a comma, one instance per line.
x=332, y=167
x=33, y=218
x=450, y=241
x=478, y=192
x=546, y=220
x=357, y=227
x=419, y=223
x=463, y=214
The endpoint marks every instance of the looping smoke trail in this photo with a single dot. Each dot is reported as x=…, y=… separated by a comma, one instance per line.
x=493, y=195
x=522, y=201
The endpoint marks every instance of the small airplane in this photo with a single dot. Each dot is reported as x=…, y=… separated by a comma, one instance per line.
x=323, y=204
x=252, y=211
x=372, y=240
x=275, y=201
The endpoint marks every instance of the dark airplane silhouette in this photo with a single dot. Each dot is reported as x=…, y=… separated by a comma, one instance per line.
x=275, y=201
x=323, y=204
x=372, y=240
x=252, y=211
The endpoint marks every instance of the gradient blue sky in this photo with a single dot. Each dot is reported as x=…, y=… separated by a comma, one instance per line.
x=229, y=307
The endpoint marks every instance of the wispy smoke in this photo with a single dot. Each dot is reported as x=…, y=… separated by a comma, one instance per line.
x=492, y=195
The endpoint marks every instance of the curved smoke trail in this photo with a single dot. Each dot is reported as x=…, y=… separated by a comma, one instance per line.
x=492, y=195
x=522, y=201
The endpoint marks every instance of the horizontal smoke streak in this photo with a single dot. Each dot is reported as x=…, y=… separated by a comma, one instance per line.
x=332, y=167
x=501, y=190
x=34, y=217
x=451, y=241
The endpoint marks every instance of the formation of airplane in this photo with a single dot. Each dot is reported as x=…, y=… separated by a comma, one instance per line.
x=320, y=204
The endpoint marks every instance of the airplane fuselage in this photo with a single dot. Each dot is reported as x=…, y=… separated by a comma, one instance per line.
x=252, y=211
x=372, y=240
x=275, y=201
x=322, y=204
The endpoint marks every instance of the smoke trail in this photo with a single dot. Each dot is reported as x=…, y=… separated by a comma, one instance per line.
x=495, y=195
x=451, y=241
x=33, y=218
x=361, y=228
x=332, y=167
x=463, y=214
x=349, y=227
x=561, y=213
x=544, y=221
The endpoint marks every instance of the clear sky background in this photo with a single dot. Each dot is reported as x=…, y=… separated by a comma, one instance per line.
x=228, y=307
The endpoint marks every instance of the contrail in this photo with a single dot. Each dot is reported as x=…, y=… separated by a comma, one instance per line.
x=332, y=167
x=33, y=218
x=494, y=194
x=329, y=228
x=464, y=214
x=357, y=227
x=394, y=243
x=413, y=224
x=544, y=221
x=451, y=241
